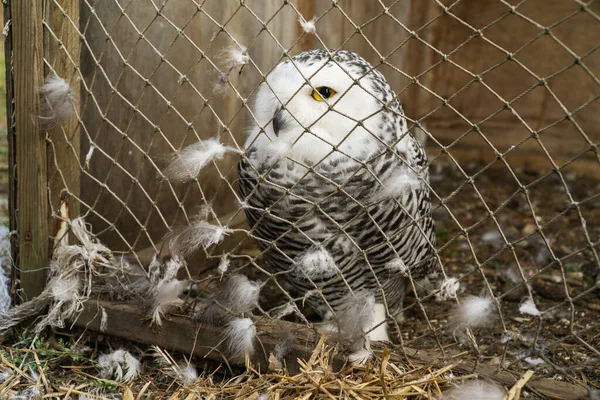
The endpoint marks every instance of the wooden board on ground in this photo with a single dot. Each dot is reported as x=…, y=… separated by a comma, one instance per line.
x=200, y=340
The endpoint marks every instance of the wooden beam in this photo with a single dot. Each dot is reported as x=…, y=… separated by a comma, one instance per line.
x=62, y=53
x=188, y=337
x=32, y=203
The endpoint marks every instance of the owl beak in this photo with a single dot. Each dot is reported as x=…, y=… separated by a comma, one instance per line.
x=278, y=121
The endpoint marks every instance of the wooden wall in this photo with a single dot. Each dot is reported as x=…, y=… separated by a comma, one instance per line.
x=137, y=126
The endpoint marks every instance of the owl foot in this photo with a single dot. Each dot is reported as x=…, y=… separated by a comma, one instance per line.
x=377, y=331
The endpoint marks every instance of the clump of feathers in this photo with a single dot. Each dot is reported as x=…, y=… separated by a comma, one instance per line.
x=236, y=57
x=449, y=289
x=472, y=312
x=119, y=365
x=74, y=270
x=187, y=164
x=198, y=234
x=66, y=300
x=57, y=104
x=223, y=265
x=235, y=296
x=239, y=337
x=165, y=290
x=308, y=26
x=475, y=390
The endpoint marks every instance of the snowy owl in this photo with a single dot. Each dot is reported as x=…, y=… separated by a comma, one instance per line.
x=335, y=188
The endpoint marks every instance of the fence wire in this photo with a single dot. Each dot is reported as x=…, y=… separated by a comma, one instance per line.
x=502, y=94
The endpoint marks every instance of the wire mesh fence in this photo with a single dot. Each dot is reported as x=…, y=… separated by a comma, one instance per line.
x=166, y=98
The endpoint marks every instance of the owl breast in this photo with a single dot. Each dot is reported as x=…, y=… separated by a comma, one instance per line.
x=345, y=209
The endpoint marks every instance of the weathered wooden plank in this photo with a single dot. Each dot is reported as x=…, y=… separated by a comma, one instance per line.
x=201, y=340
x=188, y=337
x=61, y=51
x=32, y=200
x=10, y=133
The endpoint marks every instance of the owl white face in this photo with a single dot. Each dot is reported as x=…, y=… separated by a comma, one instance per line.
x=290, y=115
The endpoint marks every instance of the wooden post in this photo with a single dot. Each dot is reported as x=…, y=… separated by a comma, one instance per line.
x=62, y=46
x=10, y=133
x=32, y=203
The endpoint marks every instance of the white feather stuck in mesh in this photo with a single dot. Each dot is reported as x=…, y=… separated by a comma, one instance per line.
x=307, y=26
x=165, y=289
x=472, y=312
x=239, y=338
x=475, y=390
x=223, y=265
x=119, y=365
x=449, y=289
x=316, y=264
x=236, y=57
x=187, y=164
x=198, y=234
x=88, y=156
x=183, y=372
x=241, y=294
x=396, y=264
x=236, y=295
x=167, y=299
x=58, y=102
x=155, y=269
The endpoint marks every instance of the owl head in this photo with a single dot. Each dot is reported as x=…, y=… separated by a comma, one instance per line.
x=320, y=104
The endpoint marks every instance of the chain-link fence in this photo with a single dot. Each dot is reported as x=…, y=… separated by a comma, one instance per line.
x=502, y=95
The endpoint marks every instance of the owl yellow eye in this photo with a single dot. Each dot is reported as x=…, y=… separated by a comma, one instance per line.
x=322, y=93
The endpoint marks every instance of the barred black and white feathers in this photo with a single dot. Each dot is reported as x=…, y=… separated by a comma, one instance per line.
x=349, y=192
